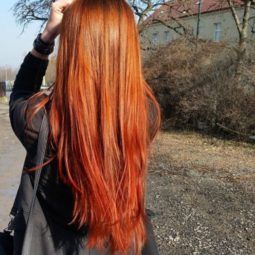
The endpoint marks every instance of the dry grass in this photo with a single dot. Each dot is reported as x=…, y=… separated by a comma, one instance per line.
x=206, y=154
x=202, y=191
x=197, y=87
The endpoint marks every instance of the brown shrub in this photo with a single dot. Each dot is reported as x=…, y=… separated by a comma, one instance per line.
x=197, y=86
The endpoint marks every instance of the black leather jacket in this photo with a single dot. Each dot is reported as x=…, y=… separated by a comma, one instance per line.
x=53, y=207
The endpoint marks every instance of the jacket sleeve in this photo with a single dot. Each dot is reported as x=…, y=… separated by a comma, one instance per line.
x=28, y=82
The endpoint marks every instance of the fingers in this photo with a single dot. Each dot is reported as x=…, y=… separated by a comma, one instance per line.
x=61, y=5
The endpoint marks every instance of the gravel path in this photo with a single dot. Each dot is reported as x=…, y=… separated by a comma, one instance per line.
x=201, y=208
x=201, y=191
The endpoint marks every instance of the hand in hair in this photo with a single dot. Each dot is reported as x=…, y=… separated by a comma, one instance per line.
x=51, y=30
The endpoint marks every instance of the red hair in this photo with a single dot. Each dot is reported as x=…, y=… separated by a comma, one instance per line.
x=103, y=118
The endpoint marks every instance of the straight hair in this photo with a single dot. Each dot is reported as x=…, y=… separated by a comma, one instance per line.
x=103, y=118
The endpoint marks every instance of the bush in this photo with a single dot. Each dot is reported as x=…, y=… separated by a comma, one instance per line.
x=197, y=86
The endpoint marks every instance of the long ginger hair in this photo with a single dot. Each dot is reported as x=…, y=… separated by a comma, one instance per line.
x=103, y=117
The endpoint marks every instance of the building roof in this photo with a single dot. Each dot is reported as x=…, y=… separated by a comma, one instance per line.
x=175, y=10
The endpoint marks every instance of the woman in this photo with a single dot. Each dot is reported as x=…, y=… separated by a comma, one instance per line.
x=103, y=117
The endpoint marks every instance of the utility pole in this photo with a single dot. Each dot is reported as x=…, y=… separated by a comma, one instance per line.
x=199, y=6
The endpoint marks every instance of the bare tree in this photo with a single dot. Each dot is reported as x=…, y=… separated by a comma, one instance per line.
x=176, y=25
x=170, y=15
x=7, y=73
x=175, y=12
x=241, y=21
x=242, y=25
x=27, y=11
x=144, y=8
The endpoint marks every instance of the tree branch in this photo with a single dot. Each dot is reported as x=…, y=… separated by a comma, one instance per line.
x=246, y=15
x=175, y=29
x=235, y=16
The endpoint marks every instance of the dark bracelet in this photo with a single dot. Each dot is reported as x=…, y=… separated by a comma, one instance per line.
x=43, y=47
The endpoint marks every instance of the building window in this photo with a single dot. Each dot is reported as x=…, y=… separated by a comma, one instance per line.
x=167, y=36
x=155, y=38
x=217, y=32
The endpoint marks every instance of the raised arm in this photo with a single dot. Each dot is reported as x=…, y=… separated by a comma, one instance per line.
x=29, y=78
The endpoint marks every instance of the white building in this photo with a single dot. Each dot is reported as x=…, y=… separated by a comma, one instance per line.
x=216, y=22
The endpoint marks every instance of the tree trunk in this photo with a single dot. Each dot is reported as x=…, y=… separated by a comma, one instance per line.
x=242, y=27
x=242, y=47
x=244, y=31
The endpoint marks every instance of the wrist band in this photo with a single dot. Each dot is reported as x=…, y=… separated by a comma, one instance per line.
x=43, y=47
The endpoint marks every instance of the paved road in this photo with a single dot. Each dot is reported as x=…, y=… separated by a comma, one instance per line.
x=12, y=156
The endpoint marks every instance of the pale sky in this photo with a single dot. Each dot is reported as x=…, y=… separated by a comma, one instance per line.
x=13, y=44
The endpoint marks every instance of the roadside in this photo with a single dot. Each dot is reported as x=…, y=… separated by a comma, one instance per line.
x=12, y=156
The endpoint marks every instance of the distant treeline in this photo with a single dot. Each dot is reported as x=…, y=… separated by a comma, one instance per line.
x=7, y=73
